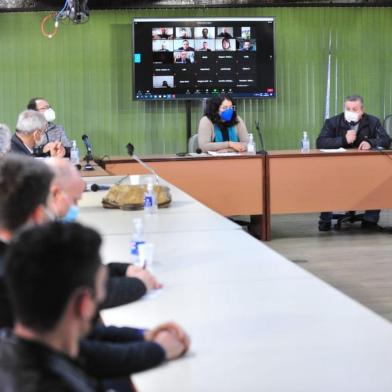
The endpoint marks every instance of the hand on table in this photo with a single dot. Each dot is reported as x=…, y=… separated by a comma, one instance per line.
x=237, y=146
x=171, y=337
x=364, y=146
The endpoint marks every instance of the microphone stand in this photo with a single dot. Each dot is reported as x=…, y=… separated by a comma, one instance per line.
x=131, y=153
x=88, y=158
x=259, y=133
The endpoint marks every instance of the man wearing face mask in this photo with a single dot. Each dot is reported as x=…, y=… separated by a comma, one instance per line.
x=54, y=132
x=30, y=135
x=353, y=129
x=109, y=352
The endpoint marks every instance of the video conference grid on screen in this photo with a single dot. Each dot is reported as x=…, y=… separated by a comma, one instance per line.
x=185, y=59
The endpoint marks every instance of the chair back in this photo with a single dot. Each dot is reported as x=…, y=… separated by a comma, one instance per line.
x=388, y=125
x=193, y=143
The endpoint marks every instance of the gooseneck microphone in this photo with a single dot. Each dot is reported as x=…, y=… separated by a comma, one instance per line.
x=89, y=156
x=260, y=134
x=130, y=150
x=87, y=143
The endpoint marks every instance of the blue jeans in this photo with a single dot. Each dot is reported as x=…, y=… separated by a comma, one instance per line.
x=369, y=216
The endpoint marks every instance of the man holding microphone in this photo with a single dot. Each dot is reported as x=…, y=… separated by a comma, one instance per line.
x=353, y=129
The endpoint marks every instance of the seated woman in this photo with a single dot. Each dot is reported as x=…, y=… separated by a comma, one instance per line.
x=220, y=129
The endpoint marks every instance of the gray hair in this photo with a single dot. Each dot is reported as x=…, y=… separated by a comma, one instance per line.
x=354, y=98
x=30, y=121
x=5, y=139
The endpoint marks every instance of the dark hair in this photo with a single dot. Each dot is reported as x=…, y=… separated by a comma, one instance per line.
x=354, y=98
x=24, y=184
x=212, y=111
x=226, y=40
x=43, y=267
x=32, y=105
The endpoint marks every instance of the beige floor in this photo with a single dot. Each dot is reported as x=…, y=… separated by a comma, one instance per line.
x=357, y=263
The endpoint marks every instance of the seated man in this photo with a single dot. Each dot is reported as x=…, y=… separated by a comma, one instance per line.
x=353, y=129
x=54, y=132
x=108, y=352
x=54, y=310
x=127, y=282
x=5, y=139
x=30, y=135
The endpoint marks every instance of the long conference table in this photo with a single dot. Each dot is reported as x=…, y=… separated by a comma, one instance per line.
x=280, y=182
x=257, y=321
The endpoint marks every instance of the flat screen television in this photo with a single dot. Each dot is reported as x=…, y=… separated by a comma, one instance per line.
x=196, y=58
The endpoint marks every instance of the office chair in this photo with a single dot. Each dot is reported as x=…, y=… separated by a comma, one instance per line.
x=388, y=125
x=193, y=143
x=348, y=217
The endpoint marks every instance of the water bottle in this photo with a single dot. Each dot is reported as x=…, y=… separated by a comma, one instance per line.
x=74, y=153
x=305, y=143
x=137, y=239
x=150, y=206
x=251, y=147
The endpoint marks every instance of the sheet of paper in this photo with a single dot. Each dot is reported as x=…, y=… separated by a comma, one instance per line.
x=222, y=154
x=341, y=149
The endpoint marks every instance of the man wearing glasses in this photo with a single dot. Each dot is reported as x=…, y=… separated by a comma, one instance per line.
x=30, y=137
x=54, y=132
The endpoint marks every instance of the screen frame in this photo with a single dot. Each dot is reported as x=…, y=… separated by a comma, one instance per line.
x=207, y=19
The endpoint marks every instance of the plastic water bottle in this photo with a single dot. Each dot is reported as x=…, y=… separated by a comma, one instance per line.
x=74, y=153
x=305, y=143
x=137, y=239
x=251, y=147
x=150, y=206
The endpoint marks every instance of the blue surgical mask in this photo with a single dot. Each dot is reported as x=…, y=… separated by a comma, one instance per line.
x=72, y=213
x=227, y=114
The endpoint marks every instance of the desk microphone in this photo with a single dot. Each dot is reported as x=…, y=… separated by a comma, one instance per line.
x=87, y=144
x=130, y=150
x=96, y=187
x=89, y=156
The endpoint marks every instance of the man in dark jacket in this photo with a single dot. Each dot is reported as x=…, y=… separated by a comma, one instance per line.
x=353, y=129
x=109, y=352
x=30, y=134
x=54, y=310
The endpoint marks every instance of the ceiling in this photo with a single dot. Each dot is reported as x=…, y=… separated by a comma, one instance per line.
x=36, y=5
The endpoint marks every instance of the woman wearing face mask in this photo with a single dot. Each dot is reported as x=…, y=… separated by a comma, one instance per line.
x=220, y=129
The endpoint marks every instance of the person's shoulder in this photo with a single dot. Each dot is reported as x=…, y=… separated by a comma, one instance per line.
x=205, y=123
x=334, y=120
x=371, y=118
x=240, y=120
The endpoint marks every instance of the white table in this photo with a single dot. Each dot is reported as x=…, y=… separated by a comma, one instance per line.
x=257, y=321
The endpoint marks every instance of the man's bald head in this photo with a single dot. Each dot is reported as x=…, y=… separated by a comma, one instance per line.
x=67, y=186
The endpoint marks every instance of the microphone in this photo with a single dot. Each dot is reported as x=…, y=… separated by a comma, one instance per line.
x=87, y=144
x=259, y=133
x=89, y=156
x=96, y=187
x=198, y=151
x=131, y=149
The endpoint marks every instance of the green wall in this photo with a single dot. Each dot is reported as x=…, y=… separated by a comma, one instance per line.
x=85, y=72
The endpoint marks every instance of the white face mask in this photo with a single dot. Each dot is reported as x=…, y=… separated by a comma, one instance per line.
x=351, y=116
x=49, y=115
